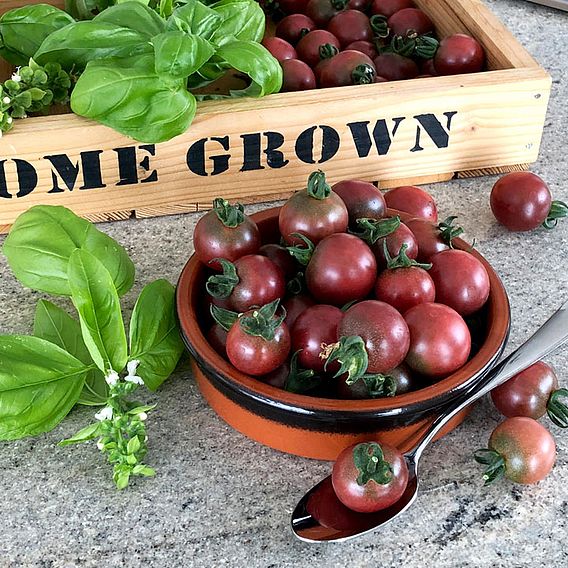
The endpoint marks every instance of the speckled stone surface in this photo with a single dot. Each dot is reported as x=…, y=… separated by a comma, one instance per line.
x=222, y=500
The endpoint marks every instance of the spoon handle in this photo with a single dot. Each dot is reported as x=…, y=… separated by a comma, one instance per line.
x=546, y=339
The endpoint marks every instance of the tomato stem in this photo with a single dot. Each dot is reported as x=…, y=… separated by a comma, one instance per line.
x=380, y=26
x=495, y=463
x=327, y=51
x=448, y=231
x=414, y=45
x=351, y=353
x=371, y=230
x=302, y=254
x=558, y=210
x=402, y=260
x=339, y=4
x=263, y=322
x=378, y=385
x=300, y=380
x=230, y=215
x=363, y=74
x=318, y=188
x=296, y=285
x=225, y=318
x=221, y=286
x=556, y=409
x=370, y=462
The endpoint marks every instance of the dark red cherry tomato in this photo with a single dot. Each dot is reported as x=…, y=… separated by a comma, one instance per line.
x=440, y=341
x=410, y=19
x=365, y=47
x=428, y=237
x=297, y=76
x=252, y=280
x=280, y=256
x=458, y=54
x=277, y=378
x=520, y=449
x=315, y=326
x=395, y=67
x=382, y=329
x=258, y=344
x=522, y=201
x=389, y=7
x=309, y=46
x=292, y=28
x=401, y=379
x=533, y=392
x=225, y=232
x=217, y=338
x=395, y=241
x=404, y=288
x=341, y=269
x=294, y=306
x=349, y=26
x=315, y=212
x=427, y=68
x=346, y=68
x=461, y=281
x=293, y=6
x=280, y=48
x=368, y=477
x=413, y=200
x=362, y=199
x=321, y=11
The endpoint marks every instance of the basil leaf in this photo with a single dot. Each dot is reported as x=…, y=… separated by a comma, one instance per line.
x=154, y=333
x=195, y=18
x=135, y=16
x=56, y=326
x=242, y=19
x=97, y=303
x=83, y=9
x=257, y=62
x=81, y=42
x=129, y=96
x=22, y=30
x=178, y=54
x=41, y=241
x=39, y=384
x=84, y=435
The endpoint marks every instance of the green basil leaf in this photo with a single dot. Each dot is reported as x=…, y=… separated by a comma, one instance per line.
x=257, y=62
x=42, y=239
x=83, y=9
x=22, y=30
x=39, y=384
x=154, y=333
x=135, y=16
x=81, y=42
x=129, y=96
x=178, y=54
x=195, y=18
x=97, y=303
x=56, y=326
x=242, y=19
x=84, y=435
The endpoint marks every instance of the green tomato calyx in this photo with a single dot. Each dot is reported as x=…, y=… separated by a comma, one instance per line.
x=221, y=286
x=371, y=465
x=263, y=322
x=495, y=463
x=230, y=215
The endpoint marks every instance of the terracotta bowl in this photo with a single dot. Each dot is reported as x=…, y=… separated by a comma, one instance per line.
x=320, y=427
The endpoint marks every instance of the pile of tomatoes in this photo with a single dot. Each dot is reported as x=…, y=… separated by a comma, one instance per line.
x=351, y=302
x=334, y=43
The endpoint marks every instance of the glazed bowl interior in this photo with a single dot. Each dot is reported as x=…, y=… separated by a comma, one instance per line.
x=492, y=322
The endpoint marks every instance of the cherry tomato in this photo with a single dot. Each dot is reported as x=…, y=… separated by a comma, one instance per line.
x=315, y=212
x=315, y=326
x=398, y=381
x=258, y=282
x=277, y=378
x=428, y=237
x=346, y=68
x=294, y=306
x=292, y=28
x=440, y=341
x=341, y=269
x=382, y=329
x=404, y=288
x=321, y=11
x=360, y=5
x=297, y=76
x=427, y=68
x=410, y=19
x=389, y=7
x=533, y=392
x=365, y=47
x=413, y=200
x=395, y=67
x=280, y=48
x=520, y=449
x=461, y=281
x=225, y=232
x=458, y=54
x=293, y=6
x=362, y=199
x=349, y=26
x=368, y=477
x=309, y=46
x=280, y=256
x=395, y=241
x=521, y=201
x=217, y=338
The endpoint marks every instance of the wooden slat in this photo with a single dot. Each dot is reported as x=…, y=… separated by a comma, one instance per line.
x=6, y=5
x=420, y=180
x=492, y=171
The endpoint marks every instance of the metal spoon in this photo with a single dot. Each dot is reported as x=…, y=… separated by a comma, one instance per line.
x=320, y=516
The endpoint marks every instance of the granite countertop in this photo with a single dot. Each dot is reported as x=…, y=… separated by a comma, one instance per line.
x=220, y=499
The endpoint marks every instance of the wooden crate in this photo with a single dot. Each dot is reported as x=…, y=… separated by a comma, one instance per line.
x=415, y=131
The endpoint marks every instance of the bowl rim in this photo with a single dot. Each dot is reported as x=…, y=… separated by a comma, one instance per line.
x=425, y=398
